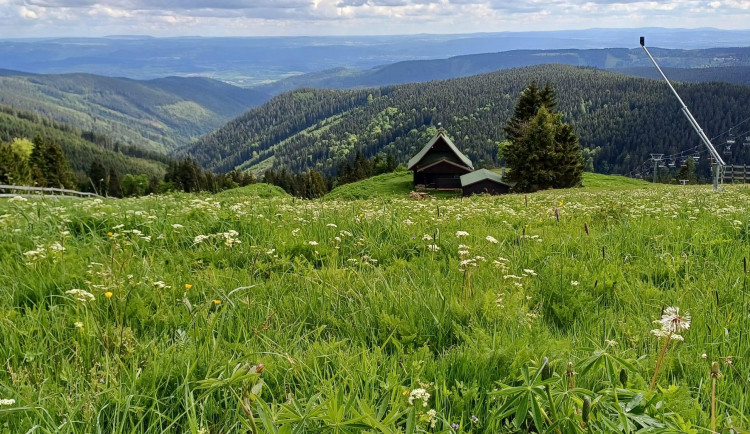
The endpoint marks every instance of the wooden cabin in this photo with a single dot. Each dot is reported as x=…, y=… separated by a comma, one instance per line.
x=439, y=165
x=484, y=181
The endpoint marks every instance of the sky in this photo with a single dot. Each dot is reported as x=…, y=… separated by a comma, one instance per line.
x=45, y=18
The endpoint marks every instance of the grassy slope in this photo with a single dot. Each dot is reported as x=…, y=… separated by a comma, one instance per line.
x=400, y=184
x=324, y=318
x=261, y=190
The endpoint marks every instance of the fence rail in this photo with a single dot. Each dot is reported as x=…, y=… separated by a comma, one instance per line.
x=26, y=191
x=737, y=174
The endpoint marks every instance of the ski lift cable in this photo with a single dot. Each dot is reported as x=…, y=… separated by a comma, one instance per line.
x=730, y=129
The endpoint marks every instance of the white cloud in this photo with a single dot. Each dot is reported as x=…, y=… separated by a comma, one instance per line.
x=27, y=13
x=274, y=17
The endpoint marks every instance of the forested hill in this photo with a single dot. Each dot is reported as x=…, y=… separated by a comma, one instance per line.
x=161, y=114
x=724, y=74
x=627, y=118
x=462, y=66
x=81, y=148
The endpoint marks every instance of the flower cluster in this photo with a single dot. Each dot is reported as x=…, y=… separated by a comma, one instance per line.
x=81, y=295
x=417, y=395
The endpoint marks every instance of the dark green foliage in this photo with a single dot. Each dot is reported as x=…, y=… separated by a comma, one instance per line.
x=687, y=171
x=544, y=152
x=626, y=118
x=115, y=188
x=98, y=177
x=308, y=185
x=49, y=166
x=189, y=177
x=45, y=166
x=356, y=170
x=313, y=184
x=81, y=148
x=134, y=185
x=725, y=74
x=531, y=100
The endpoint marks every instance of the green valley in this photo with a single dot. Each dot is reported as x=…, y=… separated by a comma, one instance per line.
x=161, y=114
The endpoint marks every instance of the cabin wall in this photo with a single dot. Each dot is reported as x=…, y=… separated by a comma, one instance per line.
x=438, y=180
x=485, y=187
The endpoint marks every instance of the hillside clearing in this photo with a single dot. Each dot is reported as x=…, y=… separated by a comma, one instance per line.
x=399, y=184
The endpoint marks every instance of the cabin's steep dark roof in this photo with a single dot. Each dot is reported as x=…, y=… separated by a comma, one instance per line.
x=481, y=175
x=431, y=158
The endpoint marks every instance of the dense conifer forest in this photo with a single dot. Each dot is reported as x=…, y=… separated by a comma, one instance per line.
x=81, y=148
x=620, y=120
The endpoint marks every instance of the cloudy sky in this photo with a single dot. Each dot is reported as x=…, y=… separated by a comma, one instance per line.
x=32, y=18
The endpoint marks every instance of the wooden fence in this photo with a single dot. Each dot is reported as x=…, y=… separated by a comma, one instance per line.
x=24, y=191
x=737, y=174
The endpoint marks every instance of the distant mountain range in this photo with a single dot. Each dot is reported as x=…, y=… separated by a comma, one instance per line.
x=162, y=114
x=252, y=61
x=627, y=61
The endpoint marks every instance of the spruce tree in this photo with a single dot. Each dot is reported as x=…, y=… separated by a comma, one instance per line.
x=542, y=151
x=49, y=166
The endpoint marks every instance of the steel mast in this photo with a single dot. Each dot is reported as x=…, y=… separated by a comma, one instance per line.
x=718, y=164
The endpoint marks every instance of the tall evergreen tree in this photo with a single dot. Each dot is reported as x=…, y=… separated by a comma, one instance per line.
x=49, y=165
x=531, y=100
x=547, y=155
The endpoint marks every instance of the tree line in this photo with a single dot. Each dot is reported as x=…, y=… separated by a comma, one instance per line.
x=41, y=162
x=313, y=184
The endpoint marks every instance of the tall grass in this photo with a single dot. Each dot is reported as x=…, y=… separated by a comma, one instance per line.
x=349, y=310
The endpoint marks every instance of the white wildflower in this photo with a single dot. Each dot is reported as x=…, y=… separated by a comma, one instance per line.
x=432, y=414
x=462, y=234
x=81, y=295
x=491, y=239
x=7, y=402
x=419, y=394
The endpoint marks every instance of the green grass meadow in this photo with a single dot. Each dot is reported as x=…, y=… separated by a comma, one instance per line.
x=251, y=311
